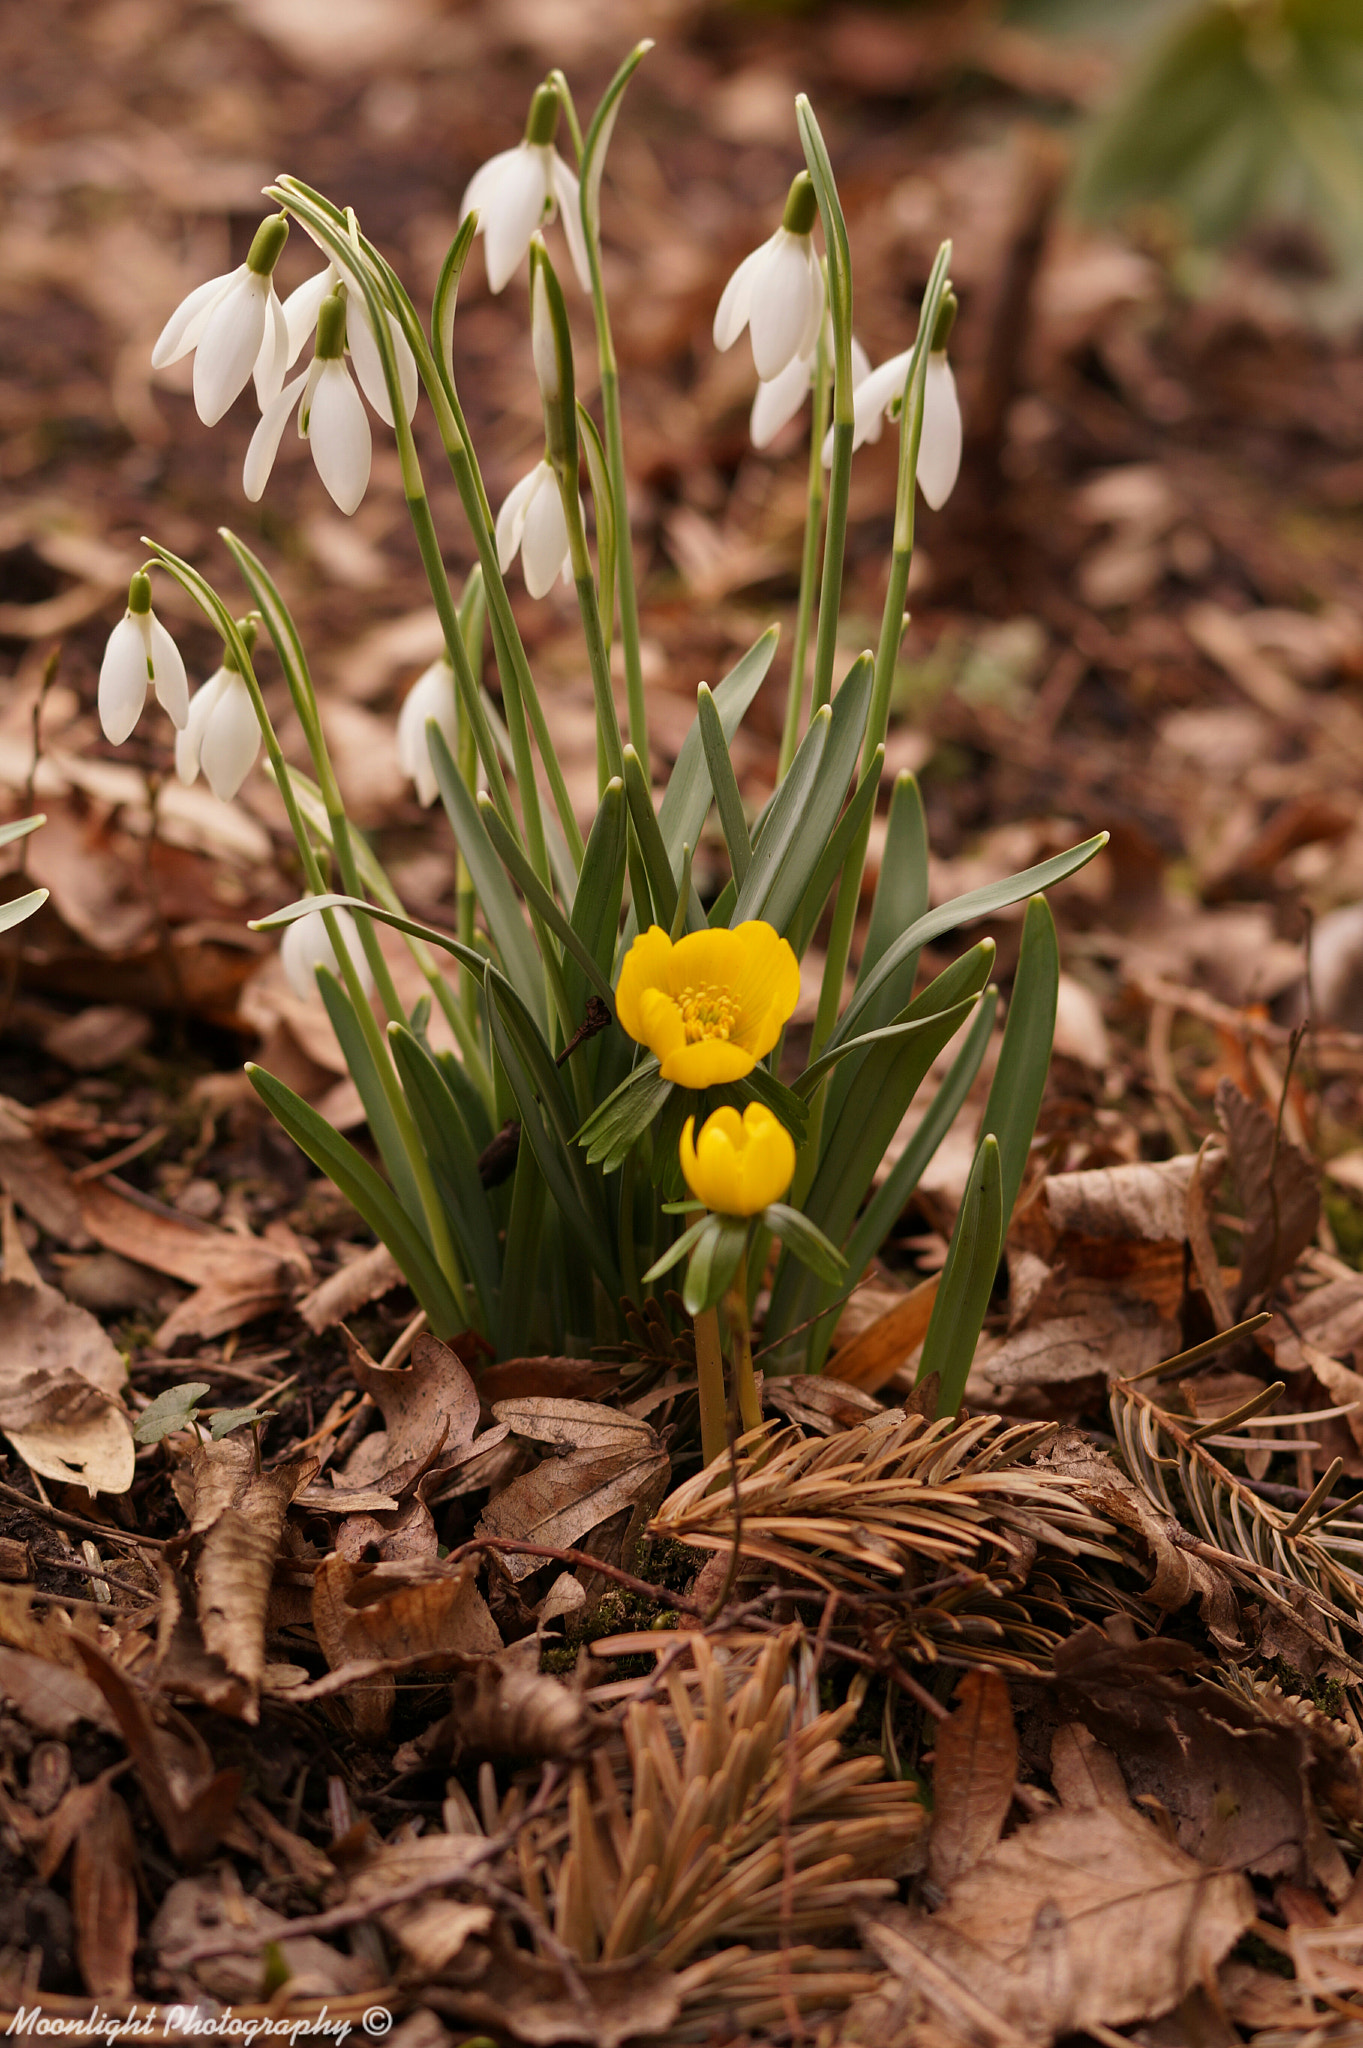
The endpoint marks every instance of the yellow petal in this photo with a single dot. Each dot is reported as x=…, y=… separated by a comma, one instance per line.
x=707, y=1063
x=646, y=966
x=659, y=1026
x=767, y=986
x=706, y=960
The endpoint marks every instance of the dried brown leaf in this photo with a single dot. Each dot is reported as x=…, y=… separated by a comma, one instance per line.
x=61, y=1381
x=973, y=1777
x=195, y=1908
x=1279, y=1189
x=51, y=1698
x=564, y=1499
x=615, y=2002
x=1142, y=1201
x=500, y=1709
x=876, y=1353
x=358, y=1617
x=104, y=1897
x=429, y=1408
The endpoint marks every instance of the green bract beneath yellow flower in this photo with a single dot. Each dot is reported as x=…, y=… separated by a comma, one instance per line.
x=711, y=1005
x=739, y=1163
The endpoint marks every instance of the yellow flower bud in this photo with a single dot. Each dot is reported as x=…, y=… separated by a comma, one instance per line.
x=739, y=1163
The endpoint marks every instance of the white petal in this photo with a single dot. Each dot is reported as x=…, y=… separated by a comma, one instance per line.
x=874, y=395
x=229, y=346
x=814, y=318
x=306, y=946
x=123, y=680
x=367, y=363
x=302, y=307
x=861, y=362
x=544, y=544
x=231, y=739
x=513, y=213
x=566, y=190
x=338, y=431
x=168, y=674
x=735, y=302
x=939, y=448
x=187, y=322
x=430, y=697
x=781, y=298
x=481, y=190
x=272, y=363
x=189, y=738
x=511, y=518
x=267, y=436
x=778, y=401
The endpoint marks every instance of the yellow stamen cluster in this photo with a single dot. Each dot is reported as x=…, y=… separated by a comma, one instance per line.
x=706, y=1013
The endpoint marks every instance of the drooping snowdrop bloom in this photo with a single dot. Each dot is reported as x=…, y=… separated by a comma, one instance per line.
x=221, y=736
x=331, y=418
x=306, y=946
x=777, y=292
x=531, y=520
x=302, y=309
x=939, y=445
x=140, y=651
x=430, y=697
x=779, y=400
x=235, y=326
x=520, y=190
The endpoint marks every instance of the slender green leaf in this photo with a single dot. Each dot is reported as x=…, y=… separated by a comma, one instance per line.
x=807, y=847
x=365, y=1191
x=686, y=800
x=677, y=1250
x=624, y=1116
x=603, y=498
x=1025, y=1055
x=715, y=1260
x=497, y=898
x=785, y=1105
x=378, y=1110
x=540, y=901
x=887, y=1034
x=662, y=882
x=410, y=925
x=964, y=910
x=724, y=783
x=784, y=821
x=805, y=1241
x=454, y=1162
x=967, y=1280
x=598, y=137
x=447, y=292
x=901, y=896
x=599, y=893
x=801, y=928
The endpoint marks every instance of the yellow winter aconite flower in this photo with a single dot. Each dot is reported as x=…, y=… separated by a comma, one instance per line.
x=739, y=1163
x=711, y=1005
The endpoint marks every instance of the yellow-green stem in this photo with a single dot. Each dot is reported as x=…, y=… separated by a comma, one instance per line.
x=740, y=1343
x=809, y=565
x=714, y=1423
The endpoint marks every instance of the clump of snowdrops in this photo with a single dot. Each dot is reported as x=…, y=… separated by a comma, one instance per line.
x=598, y=1083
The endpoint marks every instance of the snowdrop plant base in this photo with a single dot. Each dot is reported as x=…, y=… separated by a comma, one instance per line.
x=527, y=1166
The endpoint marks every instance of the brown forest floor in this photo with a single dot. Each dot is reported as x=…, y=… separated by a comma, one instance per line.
x=1140, y=612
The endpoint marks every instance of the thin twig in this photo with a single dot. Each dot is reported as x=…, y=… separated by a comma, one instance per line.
x=46, y=1513
x=579, y=1559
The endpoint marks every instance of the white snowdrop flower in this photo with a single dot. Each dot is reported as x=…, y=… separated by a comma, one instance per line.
x=331, y=419
x=519, y=190
x=235, y=326
x=939, y=444
x=140, y=651
x=778, y=400
x=531, y=520
x=777, y=292
x=430, y=697
x=301, y=311
x=306, y=946
x=221, y=736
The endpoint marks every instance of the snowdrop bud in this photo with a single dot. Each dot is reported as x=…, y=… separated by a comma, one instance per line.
x=939, y=446
x=139, y=651
x=268, y=245
x=946, y=320
x=306, y=946
x=331, y=328
x=542, y=332
x=221, y=736
x=802, y=206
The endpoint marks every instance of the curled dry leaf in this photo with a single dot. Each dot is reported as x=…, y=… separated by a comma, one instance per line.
x=972, y=1780
x=215, y=1587
x=498, y=1708
x=195, y=1908
x=431, y=1930
x=1279, y=1189
x=620, y=1467
x=429, y=1408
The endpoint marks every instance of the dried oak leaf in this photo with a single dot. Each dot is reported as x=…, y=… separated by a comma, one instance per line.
x=1279, y=1189
x=973, y=1776
x=215, y=1587
x=197, y=1908
x=432, y=1929
x=607, y=2005
x=1082, y=1918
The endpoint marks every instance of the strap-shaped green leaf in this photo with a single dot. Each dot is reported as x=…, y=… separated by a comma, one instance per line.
x=599, y=134
x=378, y=1110
x=964, y=910
x=802, y=926
x=624, y=1116
x=967, y=1280
x=676, y=1251
x=412, y=926
x=600, y=890
x=548, y=1124
x=807, y=847
x=784, y=821
x=715, y=1260
x=540, y=901
x=603, y=498
x=1025, y=1055
x=505, y=921
x=454, y=1161
x=686, y=800
x=662, y=882
x=363, y=1188
x=886, y=1035
x=724, y=783
x=19, y=907
x=523, y=1304
x=901, y=896
x=785, y=1105
x=447, y=293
